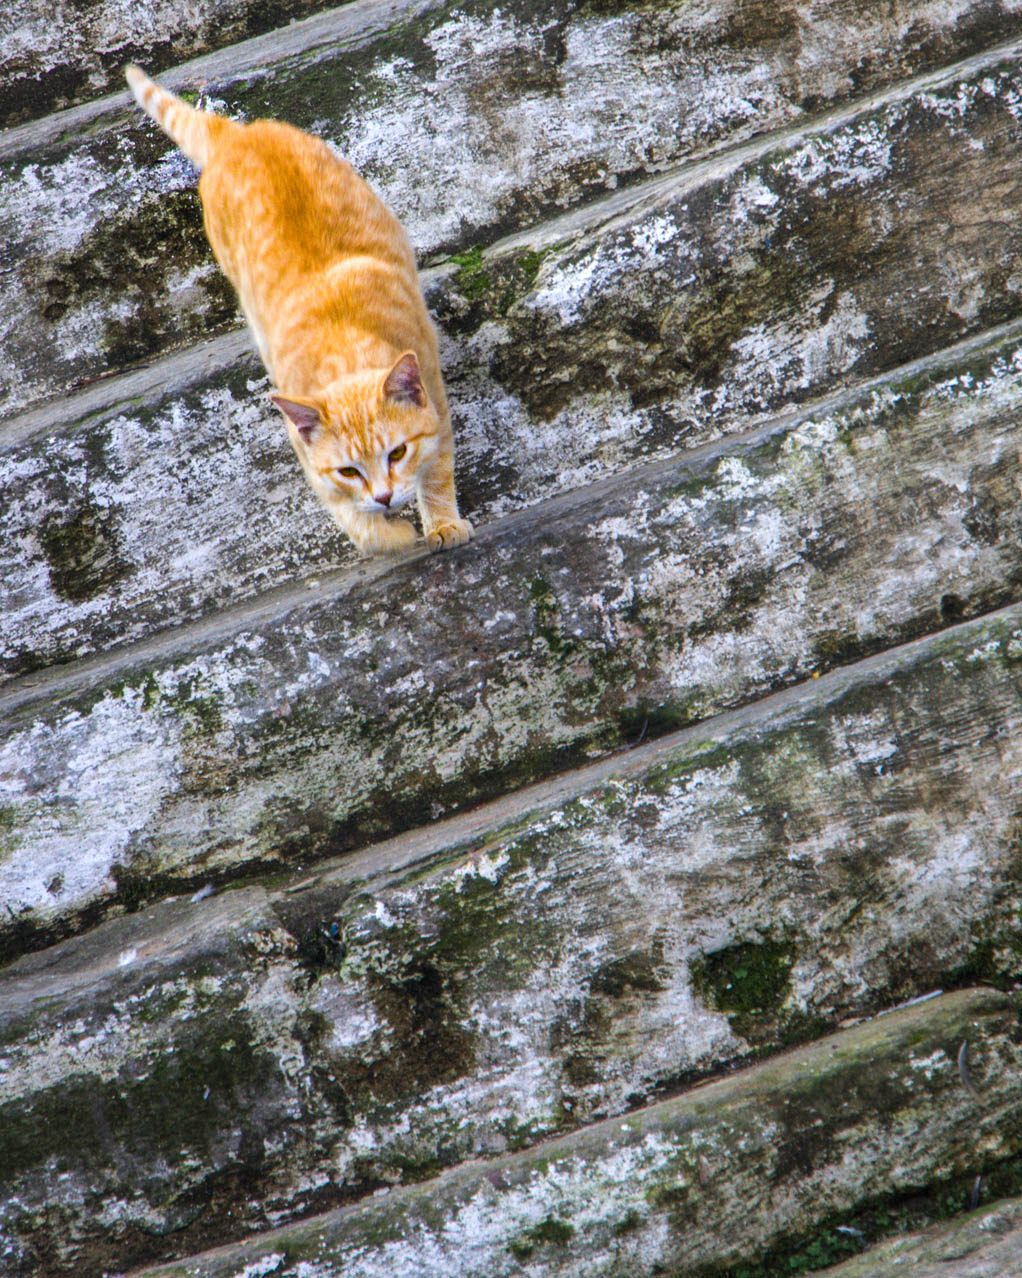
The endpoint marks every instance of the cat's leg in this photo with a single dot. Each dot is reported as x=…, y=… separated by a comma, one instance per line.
x=249, y=312
x=438, y=505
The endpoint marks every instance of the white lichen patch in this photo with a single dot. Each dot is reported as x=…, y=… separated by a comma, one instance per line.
x=565, y=292
x=868, y=738
x=857, y=155
x=272, y=1003
x=101, y=1048
x=49, y=210
x=78, y=792
x=771, y=360
x=53, y=207
x=263, y=1267
x=984, y=652
x=752, y=197
x=954, y=862
x=183, y=535
x=935, y=1063
x=60, y=36
x=588, y=1194
x=458, y=124
x=354, y=1024
x=485, y=866
x=698, y=809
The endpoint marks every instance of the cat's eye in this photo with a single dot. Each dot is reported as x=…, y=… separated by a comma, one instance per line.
x=349, y=472
x=397, y=453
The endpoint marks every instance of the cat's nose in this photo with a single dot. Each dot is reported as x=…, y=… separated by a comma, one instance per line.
x=383, y=498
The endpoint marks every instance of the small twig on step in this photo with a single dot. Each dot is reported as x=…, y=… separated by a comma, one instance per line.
x=963, y=1072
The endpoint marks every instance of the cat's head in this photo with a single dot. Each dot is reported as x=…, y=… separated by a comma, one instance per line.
x=368, y=434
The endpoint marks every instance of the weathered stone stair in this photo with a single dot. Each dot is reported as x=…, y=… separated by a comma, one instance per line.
x=428, y=894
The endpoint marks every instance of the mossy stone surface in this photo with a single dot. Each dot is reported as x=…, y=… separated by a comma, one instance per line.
x=234, y=518
x=64, y=53
x=685, y=1183
x=423, y=101
x=576, y=951
x=748, y=981
x=987, y=1243
x=798, y=266
x=321, y=879
x=693, y=585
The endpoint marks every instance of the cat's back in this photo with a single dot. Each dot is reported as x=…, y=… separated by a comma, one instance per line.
x=272, y=182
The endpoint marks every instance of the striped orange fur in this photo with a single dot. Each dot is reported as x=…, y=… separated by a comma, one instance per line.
x=327, y=281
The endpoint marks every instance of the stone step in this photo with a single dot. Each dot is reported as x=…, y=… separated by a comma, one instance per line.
x=159, y=497
x=139, y=504
x=62, y=53
x=692, y=1185
x=225, y=1062
x=474, y=125
x=763, y=277
x=985, y=1244
x=318, y=717
x=197, y=1062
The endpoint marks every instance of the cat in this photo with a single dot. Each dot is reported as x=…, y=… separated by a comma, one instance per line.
x=326, y=279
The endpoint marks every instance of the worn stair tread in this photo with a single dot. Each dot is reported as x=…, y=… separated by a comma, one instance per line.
x=58, y=54
x=564, y=954
x=123, y=270
x=551, y=388
x=701, y=1180
x=105, y=547
x=63, y=55
x=182, y=1071
x=294, y=40
x=985, y=1244
x=669, y=592
x=762, y=277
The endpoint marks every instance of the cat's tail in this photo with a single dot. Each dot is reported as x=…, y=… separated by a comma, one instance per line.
x=194, y=131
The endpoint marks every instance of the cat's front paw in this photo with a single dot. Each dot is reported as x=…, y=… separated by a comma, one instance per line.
x=387, y=537
x=454, y=532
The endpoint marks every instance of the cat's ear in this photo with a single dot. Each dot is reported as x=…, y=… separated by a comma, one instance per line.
x=305, y=413
x=403, y=384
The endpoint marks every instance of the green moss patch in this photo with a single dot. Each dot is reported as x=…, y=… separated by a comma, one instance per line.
x=187, y=1098
x=550, y=1230
x=994, y=960
x=471, y=280
x=482, y=290
x=851, y=1233
x=748, y=982
x=83, y=553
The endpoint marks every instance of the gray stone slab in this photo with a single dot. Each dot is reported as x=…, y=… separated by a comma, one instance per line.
x=985, y=1244
x=555, y=958
x=182, y=1071
x=688, y=1185
x=58, y=53
x=472, y=122
x=131, y=511
x=311, y=720
x=123, y=512
x=765, y=276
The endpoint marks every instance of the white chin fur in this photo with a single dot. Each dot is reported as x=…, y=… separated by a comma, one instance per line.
x=374, y=508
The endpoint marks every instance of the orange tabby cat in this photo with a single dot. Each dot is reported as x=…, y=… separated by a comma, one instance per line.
x=327, y=281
